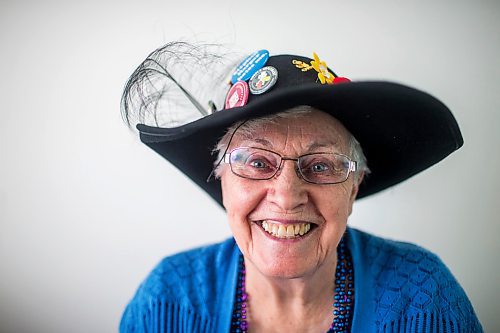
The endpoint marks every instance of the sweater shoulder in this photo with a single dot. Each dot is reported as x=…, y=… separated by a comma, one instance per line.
x=184, y=292
x=412, y=282
x=191, y=277
x=192, y=280
x=403, y=257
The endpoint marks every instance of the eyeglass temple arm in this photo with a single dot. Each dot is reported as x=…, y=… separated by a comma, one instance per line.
x=353, y=166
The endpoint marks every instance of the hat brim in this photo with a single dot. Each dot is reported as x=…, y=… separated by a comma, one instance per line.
x=402, y=130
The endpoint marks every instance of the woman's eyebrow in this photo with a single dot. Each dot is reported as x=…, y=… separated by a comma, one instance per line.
x=311, y=147
x=322, y=145
x=261, y=141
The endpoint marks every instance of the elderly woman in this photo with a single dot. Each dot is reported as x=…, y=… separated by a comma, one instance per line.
x=290, y=145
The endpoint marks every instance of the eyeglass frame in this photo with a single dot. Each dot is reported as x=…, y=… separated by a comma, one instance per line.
x=353, y=165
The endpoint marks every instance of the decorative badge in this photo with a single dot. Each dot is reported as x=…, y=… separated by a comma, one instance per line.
x=263, y=80
x=250, y=65
x=320, y=66
x=237, y=95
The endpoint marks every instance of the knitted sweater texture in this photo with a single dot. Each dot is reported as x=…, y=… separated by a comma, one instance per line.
x=399, y=287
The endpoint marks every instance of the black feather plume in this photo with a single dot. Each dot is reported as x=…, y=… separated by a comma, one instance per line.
x=178, y=83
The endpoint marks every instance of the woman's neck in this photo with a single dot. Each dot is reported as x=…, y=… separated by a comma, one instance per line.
x=291, y=305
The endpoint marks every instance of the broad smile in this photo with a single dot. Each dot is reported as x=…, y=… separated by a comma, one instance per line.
x=286, y=231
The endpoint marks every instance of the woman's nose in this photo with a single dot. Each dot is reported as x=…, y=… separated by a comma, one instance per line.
x=287, y=188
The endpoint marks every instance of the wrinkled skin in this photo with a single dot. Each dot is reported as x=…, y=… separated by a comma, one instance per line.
x=286, y=198
x=292, y=279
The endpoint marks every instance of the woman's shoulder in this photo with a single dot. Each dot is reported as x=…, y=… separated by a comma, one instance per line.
x=400, y=266
x=178, y=275
x=379, y=250
x=410, y=282
x=195, y=262
x=189, y=287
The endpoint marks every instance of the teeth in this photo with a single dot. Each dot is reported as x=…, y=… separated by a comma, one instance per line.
x=289, y=231
x=301, y=230
x=274, y=229
x=281, y=231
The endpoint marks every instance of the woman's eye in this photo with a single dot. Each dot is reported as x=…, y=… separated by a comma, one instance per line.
x=319, y=167
x=258, y=164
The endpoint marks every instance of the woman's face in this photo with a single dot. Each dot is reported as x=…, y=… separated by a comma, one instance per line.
x=286, y=204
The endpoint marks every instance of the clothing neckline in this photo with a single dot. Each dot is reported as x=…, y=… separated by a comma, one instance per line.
x=343, y=296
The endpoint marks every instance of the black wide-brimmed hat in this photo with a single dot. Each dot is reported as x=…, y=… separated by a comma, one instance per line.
x=402, y=130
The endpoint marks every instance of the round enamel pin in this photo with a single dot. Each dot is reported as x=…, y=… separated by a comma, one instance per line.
x=263, y=80
x=237, y=95
x=250, y=65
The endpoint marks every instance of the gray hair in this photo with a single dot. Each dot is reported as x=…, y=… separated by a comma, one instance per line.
x=247, y=128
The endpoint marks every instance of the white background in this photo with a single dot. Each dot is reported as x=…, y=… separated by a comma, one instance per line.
x=86, y=210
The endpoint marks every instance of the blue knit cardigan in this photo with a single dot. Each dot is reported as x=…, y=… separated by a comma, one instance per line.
x=399, y=287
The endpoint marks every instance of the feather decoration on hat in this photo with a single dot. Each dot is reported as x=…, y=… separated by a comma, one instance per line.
x=177, y=84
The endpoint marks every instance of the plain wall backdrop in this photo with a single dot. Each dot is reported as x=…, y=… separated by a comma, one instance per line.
x=86, y=210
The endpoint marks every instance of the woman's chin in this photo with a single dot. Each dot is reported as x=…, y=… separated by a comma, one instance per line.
x=283, y=258
x=283, y=267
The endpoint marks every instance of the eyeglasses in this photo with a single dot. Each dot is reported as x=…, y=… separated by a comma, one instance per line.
x=316, y=168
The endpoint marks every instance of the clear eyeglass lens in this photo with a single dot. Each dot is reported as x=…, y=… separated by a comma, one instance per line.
x=319, y=168
x=324, y=168
x=254, y=163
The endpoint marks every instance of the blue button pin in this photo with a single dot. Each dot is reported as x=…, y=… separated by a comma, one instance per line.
x=250, y=65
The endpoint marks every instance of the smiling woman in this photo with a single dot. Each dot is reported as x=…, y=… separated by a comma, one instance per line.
x=285, y=200
x=290, y=164
x=280, y=263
